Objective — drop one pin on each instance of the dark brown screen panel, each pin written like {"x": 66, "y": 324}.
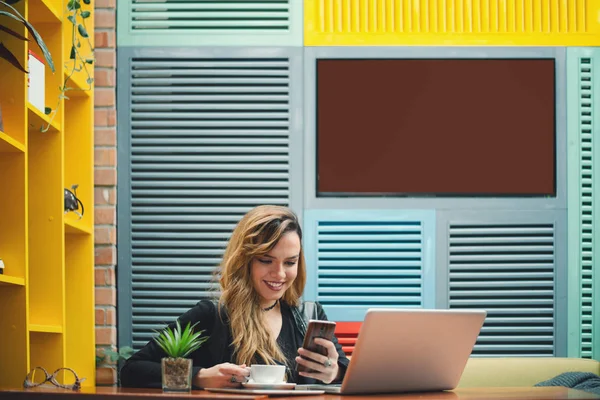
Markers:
{"x": 446, "y": 127}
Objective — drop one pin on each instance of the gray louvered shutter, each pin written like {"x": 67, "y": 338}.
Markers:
{"x": 509, "y": 271}
{"x": 194, "y": 16}
{"x": 368, "y": 261}
{"x": 209, "y": 140}
{"x": 193, "y": 23}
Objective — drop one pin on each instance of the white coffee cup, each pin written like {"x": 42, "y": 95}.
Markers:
{"x": 267, "y": 373}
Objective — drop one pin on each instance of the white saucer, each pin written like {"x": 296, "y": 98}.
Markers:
{"x": 272, "y": 386}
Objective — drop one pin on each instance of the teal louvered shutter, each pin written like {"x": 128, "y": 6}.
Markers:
{"x": 508, "y": 270}
{"x": 210, "y": 139}
{"x": 209, "y": 22}
{"x": 583, "y": 107}
{"x": 362, "y": 259}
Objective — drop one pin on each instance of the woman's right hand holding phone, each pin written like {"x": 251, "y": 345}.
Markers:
{"x": 318, "y": 366}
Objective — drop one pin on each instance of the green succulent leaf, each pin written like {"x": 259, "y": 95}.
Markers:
{"x": 86, "y": 1}
{"x": 85, "y": 14}
{"x": 72, "y": 19}
{"x": 47, "y": 110}
{"x": 178, "y": 343}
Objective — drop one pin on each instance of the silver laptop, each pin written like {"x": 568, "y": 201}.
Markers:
{"x": 409, "y": 350}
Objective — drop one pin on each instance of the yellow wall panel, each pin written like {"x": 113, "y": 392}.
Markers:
{"x": 452, "y": 22}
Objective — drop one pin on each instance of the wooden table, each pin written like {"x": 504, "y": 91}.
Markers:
{"x": 113, "y": 393}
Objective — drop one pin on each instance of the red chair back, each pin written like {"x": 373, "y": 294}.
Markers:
{"x": 346, "y": 333}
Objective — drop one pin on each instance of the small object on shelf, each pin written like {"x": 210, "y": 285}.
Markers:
{"x": 37, "y": 81}
{"x": 72, "y": 203}
{"x": 1, "y": 266}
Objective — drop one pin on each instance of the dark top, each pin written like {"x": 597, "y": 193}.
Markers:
{"x": 143, "y": 368}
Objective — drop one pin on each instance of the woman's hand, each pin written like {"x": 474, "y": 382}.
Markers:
{"x": 224, "y": 375}
{"x": 324, "y": 368}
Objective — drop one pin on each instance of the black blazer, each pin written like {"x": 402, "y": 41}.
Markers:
{"x": 143, "y": 369}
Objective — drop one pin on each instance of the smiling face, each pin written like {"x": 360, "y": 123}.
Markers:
{"x": 273, "y": 273}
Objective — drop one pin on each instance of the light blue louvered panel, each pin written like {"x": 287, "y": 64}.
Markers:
{"x": 508, "y": 270}
{"x": 209, "y": 22}
{"x": 583, "y": 69}
{"x": 360, "y": 259}
{"x": 209, "y": 140}
{"x": 586, "y": 200}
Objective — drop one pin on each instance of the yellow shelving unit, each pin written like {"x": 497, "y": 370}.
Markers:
{"x": 47, "y": 289}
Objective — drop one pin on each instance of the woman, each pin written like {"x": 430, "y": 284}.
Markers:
{"x": 256, "y": 319}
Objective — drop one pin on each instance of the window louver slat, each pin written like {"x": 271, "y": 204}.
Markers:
{"x": 201, "y": 157}
{"x": 188, "y": 148}
{"x": 215, "y": 106}
{"x": 158, "y": 271}
{"x": 509, "y": 271}
{"x": 183, "y": 92}
{"x": 157, "y": 101}
{"x": 190, "y": 201}
{"x": 190, "y": 123}
{"x": 586, "y": 188}
{"x": 240, "y": 160}
{"x": 502, "y": 266}
{"x": 202, "y": 16}
{"x": 261, "y": 166}
{"x": 162, "y": 278}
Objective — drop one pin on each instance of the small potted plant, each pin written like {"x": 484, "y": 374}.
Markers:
{"x": 176, "y": 368}
{"x": 106, "y": 364}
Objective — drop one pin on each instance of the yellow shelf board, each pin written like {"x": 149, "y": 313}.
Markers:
{"x": 37, "y": 120}
{"x": 11, "y": 280}
{"x": 76, "y": 227}
{"x": 42, "y": 11}
{"x": 10, "y": 145}
{"x": 45, "y": 328}
{"x": 77, "y": 82}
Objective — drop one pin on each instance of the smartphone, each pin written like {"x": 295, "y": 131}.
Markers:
{"x": 316, "y": 329}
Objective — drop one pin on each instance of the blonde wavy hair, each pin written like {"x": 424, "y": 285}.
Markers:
{"x": 257, "y": 233}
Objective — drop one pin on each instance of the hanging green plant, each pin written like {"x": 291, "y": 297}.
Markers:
{"x": 77, "y": 61}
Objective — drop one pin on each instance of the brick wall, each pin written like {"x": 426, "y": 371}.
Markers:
{"x": 105, "y": 181}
